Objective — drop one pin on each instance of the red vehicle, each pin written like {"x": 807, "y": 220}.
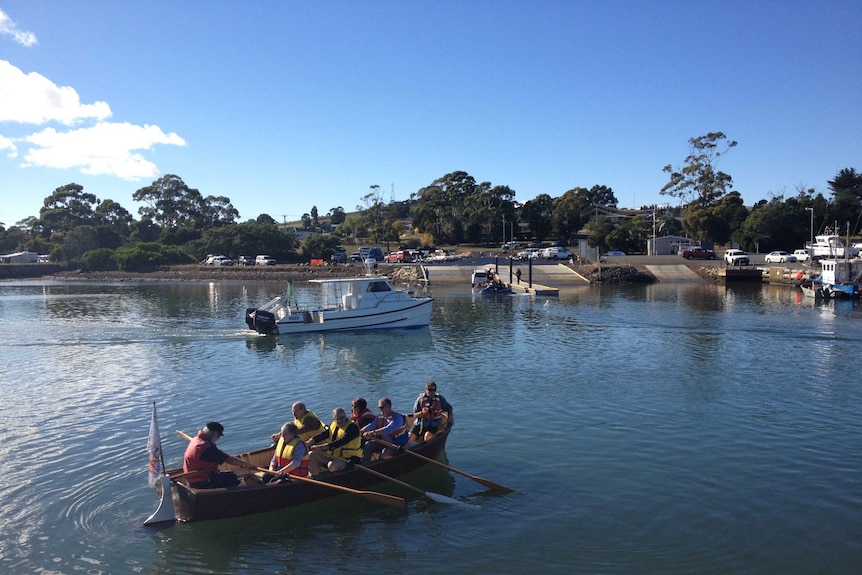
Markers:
{"x": 398, "y": 257}
{"x": 698, "y": 254}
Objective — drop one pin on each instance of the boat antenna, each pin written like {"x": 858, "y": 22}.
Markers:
{"x": 291, "y": 294}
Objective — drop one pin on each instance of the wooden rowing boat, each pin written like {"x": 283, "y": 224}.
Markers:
{"x": 253, "y": 496}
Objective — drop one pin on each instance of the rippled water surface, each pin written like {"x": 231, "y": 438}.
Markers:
{"x": 647, "y": 429}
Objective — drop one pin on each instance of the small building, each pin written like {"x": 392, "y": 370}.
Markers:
{"x": 19, "y": 258}
{"x": 667, "y": 245}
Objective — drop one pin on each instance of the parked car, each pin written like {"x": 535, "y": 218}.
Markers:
{"x": 398, "y": 257}
{"x": 779, "y": 257}
{"x": 338, "y": 258}
{"x": 801, "y": 255}
{"x": 616, "y": 253}
{"x": 511, "y": 245}
{"x": 245, "y": 261}
{"x": 263, "y": 260}
{"x": 374, "y": 255}
{"x": 219, "y": 261}
{"x": 528, "y": 254}
{"x": 696, "y": 253}
{"x": 356, "y": 257}
{"x": 736, "y": 258}
{"x": 556, "y": 253}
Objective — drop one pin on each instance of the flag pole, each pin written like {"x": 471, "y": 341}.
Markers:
{"x": 165, "y": 511}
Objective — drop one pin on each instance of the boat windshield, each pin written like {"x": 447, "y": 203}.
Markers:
{"x": 377, "y": 286}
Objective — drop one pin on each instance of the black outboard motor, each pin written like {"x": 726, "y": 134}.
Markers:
{"x": 249, "y": 316}
{"x": 264, "y": 322}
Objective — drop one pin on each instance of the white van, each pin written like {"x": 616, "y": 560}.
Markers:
{"x": 264, "y": 261}
{"x": 556, "y": 253}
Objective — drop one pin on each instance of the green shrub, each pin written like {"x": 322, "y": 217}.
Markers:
{"x": 101, "y": 260}
{"x": 148, "y": 256}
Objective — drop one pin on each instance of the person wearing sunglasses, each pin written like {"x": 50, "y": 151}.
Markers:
{"x": 390, "y": 426}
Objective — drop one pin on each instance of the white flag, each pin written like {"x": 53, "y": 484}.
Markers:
{"x": 154, "y": 447}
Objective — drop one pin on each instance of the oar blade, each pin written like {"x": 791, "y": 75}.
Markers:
{"x": 491, "y": 485}
{"x": 447, "y": 500}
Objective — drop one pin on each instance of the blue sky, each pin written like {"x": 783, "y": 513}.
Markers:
{"x": 281, "y": 106}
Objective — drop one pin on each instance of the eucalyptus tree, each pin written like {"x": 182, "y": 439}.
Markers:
{"x": 487, "y": 207}
{"x": 214, "y": 211}
{"x": 443, "y": 205}
{"x": 537, "y": 215}
{"x": 699, "y": 184}
{"x": 567, "y": 213}
{"x": 115, "y": 217}
{"x": 846, "y": 190}
{"x": 600, "y": 229}
{"x": 320, "y": 246}
{"x": 246, "y": 238}
{"x": 374, "y": 213}
{"x": 336, "y": 215}
{"x": 67, "y": 208}
{"x": 631, "y": 236}
{"x": 774, "y": 224}
{"x": 171, "y": 203}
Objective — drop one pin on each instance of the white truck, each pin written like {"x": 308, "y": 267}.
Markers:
{"x": 801, "y": 255}
{"x": 736, "y": 257}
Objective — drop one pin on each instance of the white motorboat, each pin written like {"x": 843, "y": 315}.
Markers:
{"x": 830, "y": 246}
{"x": 345, "y": 304}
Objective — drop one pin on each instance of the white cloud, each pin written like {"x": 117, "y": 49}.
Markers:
{"x": 8, "y": 144}
{"x": 9, "y": 28}
{"x": 34, "y": 99}
{"x": 109, "y": 148}
{"x": 106, "y": 148}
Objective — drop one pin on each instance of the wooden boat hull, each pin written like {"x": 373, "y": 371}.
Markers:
{"x": 206, "y": 504}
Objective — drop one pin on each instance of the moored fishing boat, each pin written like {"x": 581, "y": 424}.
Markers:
{"x": 253, "y": 496}
{"x": 838, "y": 278}
{"x": 344, "y": 304}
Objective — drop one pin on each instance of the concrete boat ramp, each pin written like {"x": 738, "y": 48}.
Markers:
{"x": 548, "y": 278}
{"x": 674, "y": 273}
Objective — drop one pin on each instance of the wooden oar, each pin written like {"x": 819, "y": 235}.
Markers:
{"x": 429, "y": 494}
{"x": 485, "y": 482}
{"x": 372, "y": 495}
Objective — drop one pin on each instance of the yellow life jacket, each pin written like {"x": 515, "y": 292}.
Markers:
{"x": 352, "y": 448}
{"x": 284, "y": 455}
{"x": 301, "y": 423}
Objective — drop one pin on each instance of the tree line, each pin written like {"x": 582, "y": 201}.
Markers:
{"x": 178, "y": 224}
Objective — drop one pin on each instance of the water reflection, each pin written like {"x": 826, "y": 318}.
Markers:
{"x": 346, "y": 352}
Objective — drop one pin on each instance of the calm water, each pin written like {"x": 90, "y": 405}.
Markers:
{"x": 647, "y": 429}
